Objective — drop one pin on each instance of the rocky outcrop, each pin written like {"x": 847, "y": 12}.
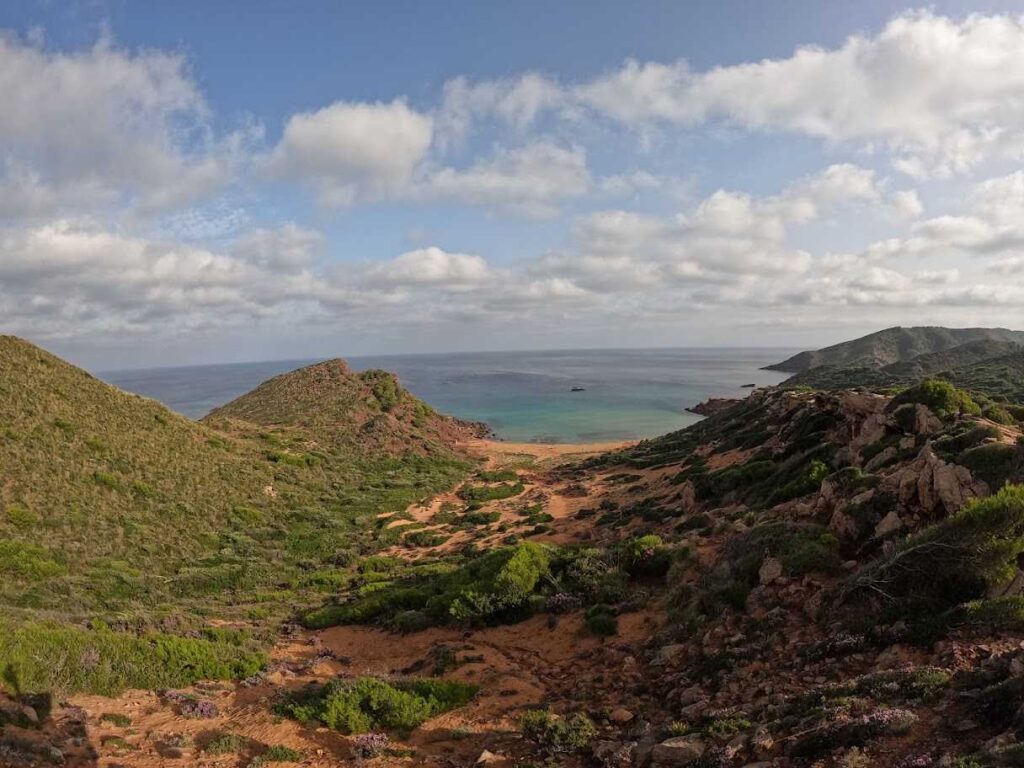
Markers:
{"x": 930, "y": 486}
{"x": 712, "y": 405}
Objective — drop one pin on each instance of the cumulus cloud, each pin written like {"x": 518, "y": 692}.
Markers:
{"x": 353, "y": 151}
{"x": 939, "y": 94}
{"x": 532, "y": 180}
{"x": 431, "y": 267}
{"x": 93, "y": 127}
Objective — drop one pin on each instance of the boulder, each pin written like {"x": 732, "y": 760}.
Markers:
{"x": 888, "y": 525}
{"x": 615, "y": 754}
{"x": 678, "y": 751}
{"x": 771, "y": 570}
{"x": 620, "y": 716}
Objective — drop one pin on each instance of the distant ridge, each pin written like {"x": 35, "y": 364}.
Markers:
{"x": 893, "y": 345}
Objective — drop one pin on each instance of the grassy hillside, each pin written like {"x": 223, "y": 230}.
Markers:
{"x": 111, "y": 504}
{"x": 893, "y": 345}
{"x": 993, "y": 369}
{"x": 368, "y": 411}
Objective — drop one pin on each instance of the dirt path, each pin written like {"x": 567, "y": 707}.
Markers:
{"x": 543, "y": 660}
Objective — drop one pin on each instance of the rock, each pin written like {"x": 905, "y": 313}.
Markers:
{"x": 616, "y": 754}
{"x": 690, "y": 695}
{"x": 620, "y": 716}
{"x": 881, "y": 458}
{"x": 771, "y": 569}
{"x": 713, "y": 405}
{"x": 843, "y": 526}
{"x": 678, "y": 751}
{"x": 672, "y": 655}
{"x": 888, "y": 524}
{"x": 926, "y": 422}
{"x": 929, "y": 485}
{"x": 490, "y": 758}
{"x": 762, "y": 743}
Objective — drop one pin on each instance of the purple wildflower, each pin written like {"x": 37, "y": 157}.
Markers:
{"x": 367, "y": 745}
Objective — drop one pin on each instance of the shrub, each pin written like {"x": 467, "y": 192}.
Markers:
{"x": 497, "y": 475}
{"x": 998, "y": 414}
{"x": 557, "y": 734}
{"x": 370, "y": 745}
{"x": 277, "y": 754}
{"x": 226, "y": 744}
{"x": 365, "y": 704}
{"x": 951, "y": 562}
{"x": 646, "y": 555}
{"x": 995, "y": 463}
{"x": 602, "y": 621}
{"x": 45, "y": 657}
{"x": 941, "y": 397}
{"x": 483, "y": 493}
{"x": 116, "y": 718}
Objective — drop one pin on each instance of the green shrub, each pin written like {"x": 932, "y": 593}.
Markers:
{"x": 497, "y": 475}
{"x": 557, "y": 734}
{"x": 45, "y": 657}
{"x": 27, "y": 562}
{"x": 647, "y": 556}
{"x": 941, "y": 397}
{"x": 602, "y": 621}
{"x": 998, "y": 414}
{"x": 366, "y": 704}
{"x": 484, "y": 493}
{"x": 995, "y": 463}
{"x": 277, "y": 754}
{"x": 22, "y": 518}
{"x": 425, "y": 539}
{"x": 954, "y": 561}
{"x": 226, "y": 744}
{"x": 116, "y": 718}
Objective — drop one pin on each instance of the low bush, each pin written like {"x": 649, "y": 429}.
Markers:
{"x": 646, "y": 556}
{"x": 277, "y": 754}
{"x": 497, "y": 475}
{"x": 484, "y": 493}
{"x": 226, "y": 744}
{"x": 46, "y": 657}
{"x": 602, "y": 621}
{"x": 941, "y": 397}
{"x": 367, "y": 704}
{"x": 995, "y": 463}
{"x": 557, "y": 734}
{"x": 952, "y": 562}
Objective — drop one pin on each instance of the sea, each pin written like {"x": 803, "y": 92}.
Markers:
{"x": 565, "y": 396}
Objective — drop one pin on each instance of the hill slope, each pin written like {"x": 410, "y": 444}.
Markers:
{"x": 893, "y": 345}
{"x": 109, "y": 501}
{"x": 369, "y": 410}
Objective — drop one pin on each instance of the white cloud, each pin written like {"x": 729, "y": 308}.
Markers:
{"x": 87, "y": 129}
{"x": 352, "y": 151}
{"x": 431, "y": 266}
{"x": 532, "y": 180}
{"x": 515, "y": 101}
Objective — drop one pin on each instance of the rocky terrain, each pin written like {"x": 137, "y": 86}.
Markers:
{"x": 804, "y": 578}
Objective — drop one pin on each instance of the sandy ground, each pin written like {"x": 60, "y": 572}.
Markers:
{"x": 544, "y": 660}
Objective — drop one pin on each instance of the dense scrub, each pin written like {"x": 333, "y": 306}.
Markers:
{"x": 367, "y": 704}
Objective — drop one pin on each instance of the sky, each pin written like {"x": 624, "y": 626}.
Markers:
{"x": 216, "y": 182}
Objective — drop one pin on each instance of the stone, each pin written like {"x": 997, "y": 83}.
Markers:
{"x": 672, "y": 655}
{"x": 616, "y": 754}
{"x": 771, "y": 570}
{"x": 490, "y": 758}
{"x": 888, "y": 525}
{"x": 620, "y": 716}
{"x": 678, "y": 751}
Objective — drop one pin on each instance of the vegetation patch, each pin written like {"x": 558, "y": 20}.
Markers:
{"x": 367, "y": 704}
{"x": 39, "y": 657}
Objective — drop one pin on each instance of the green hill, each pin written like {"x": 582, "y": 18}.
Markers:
{"x": 993, "y": 369}
{"x": 893, "y": 345}
{"x": 112, "y": 504}
{"x": 368, "y": 411}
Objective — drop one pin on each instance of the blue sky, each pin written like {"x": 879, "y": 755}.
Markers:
{"x": 186, "y": 182}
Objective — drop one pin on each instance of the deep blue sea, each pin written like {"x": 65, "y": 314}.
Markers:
{"x": 524, "y": 396}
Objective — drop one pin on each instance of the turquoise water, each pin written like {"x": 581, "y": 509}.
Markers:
{"x": 523, "y": 396}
